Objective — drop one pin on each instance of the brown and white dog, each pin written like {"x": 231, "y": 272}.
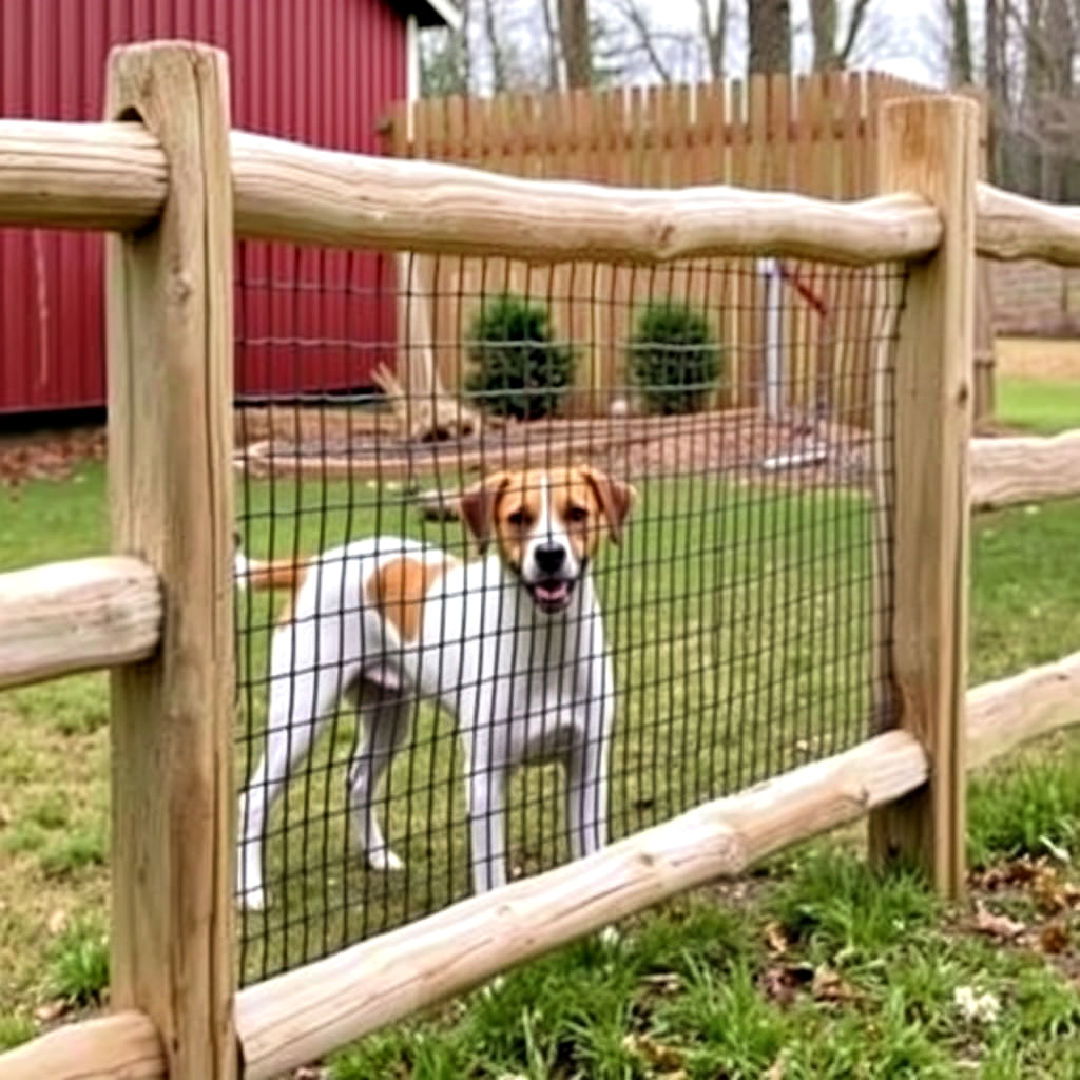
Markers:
{"x": 512, "y": 644}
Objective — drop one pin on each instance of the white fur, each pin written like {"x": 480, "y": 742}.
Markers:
{"x": 524, "y": 686}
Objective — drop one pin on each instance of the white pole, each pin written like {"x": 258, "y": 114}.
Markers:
{"x": 774, "y": 361}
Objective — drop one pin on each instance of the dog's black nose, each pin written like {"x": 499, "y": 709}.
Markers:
{"x": 550, "y": 557}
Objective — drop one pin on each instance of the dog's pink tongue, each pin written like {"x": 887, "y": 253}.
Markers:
{"x": 552, "y": 592}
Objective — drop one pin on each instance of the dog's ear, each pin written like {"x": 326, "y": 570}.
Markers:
{"x": 615, "y": 498}
{"x": 477, "y": 507}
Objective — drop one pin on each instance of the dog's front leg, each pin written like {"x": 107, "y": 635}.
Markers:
{"x": 586, "y": 796}
{"x": 486, "y": 794}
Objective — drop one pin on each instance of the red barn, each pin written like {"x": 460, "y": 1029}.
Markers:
{"x": 319, "y": 71}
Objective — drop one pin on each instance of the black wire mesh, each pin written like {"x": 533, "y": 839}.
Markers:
{"x": 739, "y": 610}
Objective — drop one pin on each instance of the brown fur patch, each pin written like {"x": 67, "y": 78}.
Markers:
{"x": 279, "y": 574}
{"x": 398, "y": 589}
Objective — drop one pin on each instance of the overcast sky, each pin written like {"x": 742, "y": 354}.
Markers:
{"x": 903, "y": 36}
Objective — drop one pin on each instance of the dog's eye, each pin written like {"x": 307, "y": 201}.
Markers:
{"x": 519, "y": 518}
{"x": 576, "y": 514}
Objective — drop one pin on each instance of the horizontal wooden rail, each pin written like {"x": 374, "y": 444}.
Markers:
{"x": 123, "y": 1046}
{"x": 1010, "y": 227}
{"x": 286, "y": 191}
{"x": 1003, "y": 714}
{"x": 1029, "y": 469}
{"x": 114, "y": 176}
{"x": 299, "y": 1016}
{"x": 65, "y": 617}
{"x": 85, "y": 176}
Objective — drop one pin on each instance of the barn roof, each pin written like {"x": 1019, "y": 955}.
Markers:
{"x": 431, "y": 12}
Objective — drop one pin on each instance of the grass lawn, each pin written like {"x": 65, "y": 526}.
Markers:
{"x": 1042, "y": 405}
{"x": 813, "y": 963}
{"x": 1038, "y": 384}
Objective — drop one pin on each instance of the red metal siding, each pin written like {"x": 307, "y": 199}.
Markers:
{"x": 323, "y": 71}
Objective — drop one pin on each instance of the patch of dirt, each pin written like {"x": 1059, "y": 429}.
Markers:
{"x": 1039, "y": 358}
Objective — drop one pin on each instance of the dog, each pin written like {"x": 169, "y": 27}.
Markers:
{"x": 510, "y": 643}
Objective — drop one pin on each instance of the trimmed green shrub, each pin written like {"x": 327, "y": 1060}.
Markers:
{"x": 515, "y": 369}
{"x": 674, "y": 360}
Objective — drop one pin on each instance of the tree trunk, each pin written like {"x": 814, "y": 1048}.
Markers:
{"x": 491, "y": 32}
{"x": 715, "y": 36}
{"x": 552, "y": 35}
{"x": 995, "y": 84}
{"x": 960, "y": 68}
{"x": 770, "y": 36}
{"x": 823, "y": 30}
{"x": 576, "y": 44}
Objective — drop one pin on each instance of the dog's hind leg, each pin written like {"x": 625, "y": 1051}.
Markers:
{"x": 300, "y": 705}
{"x": 384, "y": 712}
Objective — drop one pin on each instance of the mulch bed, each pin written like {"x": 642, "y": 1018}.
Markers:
{"x": 48, "y": 455}
{"x": 736, "y": 442}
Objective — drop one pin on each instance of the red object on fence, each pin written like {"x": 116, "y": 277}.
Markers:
{"x": 320, "y": 71}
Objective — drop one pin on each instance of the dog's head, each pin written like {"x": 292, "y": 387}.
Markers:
{"x": 548, "y": 524}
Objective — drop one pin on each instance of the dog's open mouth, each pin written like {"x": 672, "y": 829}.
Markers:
{"x": 552, "y": 595}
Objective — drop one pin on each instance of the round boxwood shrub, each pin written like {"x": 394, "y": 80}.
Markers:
{"x": 674, "y": 360}
{"x": 515, "y": 369}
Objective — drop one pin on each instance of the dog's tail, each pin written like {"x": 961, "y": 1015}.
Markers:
{"x": 272, "y": 574}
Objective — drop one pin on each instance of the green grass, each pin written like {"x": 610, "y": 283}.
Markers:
{"x": 690, "y": 979}
{"x": 1045, "y": 406}
{"x": 865, "y": 987}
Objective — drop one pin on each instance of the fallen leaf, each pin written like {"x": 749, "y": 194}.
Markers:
{"x": 1054, "y": 938}
{"x": 776, "y": 938}
{"x": 49, "y": 1011}
{"x": 1049, "y": 891}
{"x": 778, "y": 1069}
{"x": 999, "y": 927}
{"x": 829, "y": 986}
{"x": 781, "y": 982}
{"x": 657, "y": 1054}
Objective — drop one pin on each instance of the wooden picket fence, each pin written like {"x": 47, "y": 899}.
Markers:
{"x": 813, "y": 134}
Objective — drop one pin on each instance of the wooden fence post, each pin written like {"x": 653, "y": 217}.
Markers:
{"x": 929, "y": 145}
{"x": 170, "y": 450}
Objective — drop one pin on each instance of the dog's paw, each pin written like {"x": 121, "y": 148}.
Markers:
{"x": 385, "y": 860}
{"x": 253, "y": 899}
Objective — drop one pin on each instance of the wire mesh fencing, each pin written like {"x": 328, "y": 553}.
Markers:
{"x": 733, "y": 632}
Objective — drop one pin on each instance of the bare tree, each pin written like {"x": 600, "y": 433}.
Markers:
{"x": 770, "y": 36}
{"x": 714, "y": 34}
{"x": 832, "y": 50}
{"x": 961, "y": 69}
{"x": 645, "y": 38}
{"x": 551, "y": 35}
{"x": 495, "y": 48}
{"x": 575, "y": 36}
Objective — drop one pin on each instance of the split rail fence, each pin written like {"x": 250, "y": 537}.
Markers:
{"x": 168, "y": 178}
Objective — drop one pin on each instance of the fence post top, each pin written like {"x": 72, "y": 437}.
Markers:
{"x": 165, "y": 47}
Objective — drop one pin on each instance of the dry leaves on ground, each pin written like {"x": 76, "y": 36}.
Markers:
{"x": 998, "y": 927}
{"x": 668, "y": 1060}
